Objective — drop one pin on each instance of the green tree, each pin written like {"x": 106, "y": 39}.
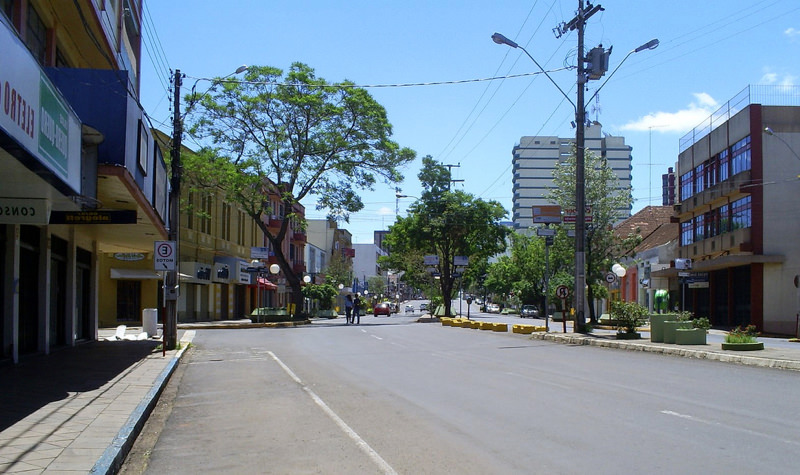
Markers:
{"x": 607, "y": 199}
{"x": 325, "y": 294}
{"x": 447, "y": 224}
{"x": 296, "y": 135}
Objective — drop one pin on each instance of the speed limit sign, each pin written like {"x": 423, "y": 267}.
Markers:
{"x": 562, "y": 291}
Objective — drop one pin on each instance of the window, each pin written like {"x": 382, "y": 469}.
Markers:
{"x": 740, "y": 213}
{"x": 724, "y": 219}
{"x": 190, "y": 214}
{"x": 699, "y": 178}
{"x": 226, "y": 222}
{"x": 36, "y": 35}
{"x": 740, "y": 156}
{"x": 699, "y": 227}
{"x": 687, "y": 182}
{"x": 724, "y": 165}
{"x": 205, "y": 214}
{"x": 241, "y": 228}
{"x": 687, "y": 233}
{"x": 712, "y": 172}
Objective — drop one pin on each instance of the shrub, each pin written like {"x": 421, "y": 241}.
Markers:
{"x": 628, "y": 315}
{"x": 323, "y": 293}
{"x": 700, "y": 322}
{"x": 742, "y": 335}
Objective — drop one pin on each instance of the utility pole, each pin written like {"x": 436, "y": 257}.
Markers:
{"x": 578, "y": 23}
{"x": 171, "y": 282}
{"x": 450, "y": 173}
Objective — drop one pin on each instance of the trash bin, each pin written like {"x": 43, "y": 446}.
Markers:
{"x": 150, "y": 321}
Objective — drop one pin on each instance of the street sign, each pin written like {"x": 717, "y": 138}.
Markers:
{"x": 545, "y": 232}
{"x": 432, "y": 260}
{"x": 571, "y": 215}
{"x": 549, "y": 214}
{"x": 460, "y": 261}
{"x": 164, "y": 255}
{"x": 611, "y": 277}
{"x": 259, "y": 253}
{"x": 562, "y": 291}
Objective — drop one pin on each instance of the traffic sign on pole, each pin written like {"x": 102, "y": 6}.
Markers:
{"x": 164, "y": 255}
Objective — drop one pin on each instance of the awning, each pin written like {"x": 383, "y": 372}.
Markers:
{"x": 264, "y": 283}
{"x": 134, "y": 274}
{"x": 724, "y": 262}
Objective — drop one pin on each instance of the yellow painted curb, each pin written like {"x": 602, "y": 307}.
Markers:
{"x": 486, "y": 325}
{"x": 500, "y": 327}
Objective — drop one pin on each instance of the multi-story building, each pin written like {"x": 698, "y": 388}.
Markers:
{"x": 535, "y": 158}
{"x": 84, "y": 188}
{"x": 336, "y": 243}
{"x": 738, "y": 192}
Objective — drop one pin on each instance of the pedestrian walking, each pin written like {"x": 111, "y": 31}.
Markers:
{"x": 357, "y": 309}
{"x": 348, "y": 309}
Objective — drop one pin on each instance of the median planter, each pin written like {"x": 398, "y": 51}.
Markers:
{"x": 657, "y": 325}
{"x": 671, "y": 327}
{"x": 326, "y": 314}
{"x": 753, "y": 346}
{"x": 690, "y": 336}
{"x": 629, "y": 336}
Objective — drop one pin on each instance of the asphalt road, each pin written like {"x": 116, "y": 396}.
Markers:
{"x": 393, "y": 396}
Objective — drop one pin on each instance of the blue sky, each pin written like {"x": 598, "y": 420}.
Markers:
{"x": 709, "y": 51}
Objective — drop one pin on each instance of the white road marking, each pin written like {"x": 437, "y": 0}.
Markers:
{"x": 732, "y": 427}
{"x": 376, "y": 337}
{"x": 361, "y": 443}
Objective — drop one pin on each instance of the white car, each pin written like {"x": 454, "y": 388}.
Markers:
{"x": 492, "y": 308}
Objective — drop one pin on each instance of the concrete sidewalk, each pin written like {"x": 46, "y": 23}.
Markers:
{"x": 79, "y": 410}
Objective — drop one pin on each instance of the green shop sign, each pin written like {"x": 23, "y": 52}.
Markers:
{"x": 53, "y": 126}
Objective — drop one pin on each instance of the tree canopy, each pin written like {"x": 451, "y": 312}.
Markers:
{"x": 293, "y": 135}
{"x": 608, "y": 201}
{"x": 447, "y": 224}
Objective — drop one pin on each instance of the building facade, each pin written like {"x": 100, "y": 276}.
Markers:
{"x": 84, "y": 186}
{"x": 535, "y": 158}
{"x": 737, "y": 192}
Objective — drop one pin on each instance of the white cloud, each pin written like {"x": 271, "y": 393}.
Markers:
{"x": 384, "y": 211}
{"x": 792, "y": 32}
{"x": 774, "y": 78}
{"x": 679, "y": 121}
{"x": 769, "y": 78}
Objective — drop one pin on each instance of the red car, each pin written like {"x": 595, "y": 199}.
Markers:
{"x": 382, "y": 309}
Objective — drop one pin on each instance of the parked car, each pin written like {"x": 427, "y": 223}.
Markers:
{"x": 382, "y": 309}
{"x": 529, "y": 311}
{"x": 492, "y": 308}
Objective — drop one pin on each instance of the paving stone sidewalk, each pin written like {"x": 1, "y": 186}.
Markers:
{"x": 75, "y": 410}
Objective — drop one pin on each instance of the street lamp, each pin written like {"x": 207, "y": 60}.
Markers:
{"x": 580, "y": 185}
{"x": 176, "y": 169}
{"x": 768, "y": 130}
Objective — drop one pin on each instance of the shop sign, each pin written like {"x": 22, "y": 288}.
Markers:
{"x": 24, "y": 211}
{"x": 129, "y": 256}
{"x": 121, "y": 216}
{"x": 35, "y": 115}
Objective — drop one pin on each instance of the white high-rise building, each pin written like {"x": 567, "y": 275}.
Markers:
{"x": 535, "y": 159}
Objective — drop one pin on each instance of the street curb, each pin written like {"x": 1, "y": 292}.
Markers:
{"x": 223, "y": 326}
{"x": 666, "y": 350}
{"x": 114, "y": 455}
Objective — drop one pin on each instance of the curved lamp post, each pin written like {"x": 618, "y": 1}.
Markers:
{"x": 768, "y": 130}
{"x": 580, "y": 190}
